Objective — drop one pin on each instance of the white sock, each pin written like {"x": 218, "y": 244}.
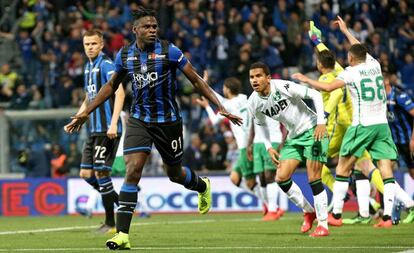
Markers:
{"x": 403, "y": 196}
{"x": 273, "y": 193}
{"x": 297, "y": 197}
{"x": 389, "y": 194}
{"x": 321, "y": 208}
{"x": 340, "y": 189}
{"x": 264, "y": 194}
{"x": 363, "y": 189}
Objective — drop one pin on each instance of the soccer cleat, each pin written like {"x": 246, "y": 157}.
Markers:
{"x": 106, "y": 229}
{"x": 334, "y": 222}
{"x": 357, "y": 220}
{"x": 410, "y": 217}
{"x": 119, "y": 241}
{"x": 320, "y": 231}
{"x": 383, "y": 224}
{"x": 271, "y": 216}
{"x": 308, "y": 219}
{"x": 144, "y": 215}
{"x": 204, "y": 199}
{"x": 265, "y": 209}
{"x": 280, "y": 211}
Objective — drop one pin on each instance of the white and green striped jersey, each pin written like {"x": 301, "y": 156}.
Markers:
{"x": 237, "y": 106}
{"x": 366, "y": 86}
{"x": 285, "y": 104}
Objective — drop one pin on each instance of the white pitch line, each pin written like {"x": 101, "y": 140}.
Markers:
{"x": 45, "y": 230}
{"x": 215, "y": 248}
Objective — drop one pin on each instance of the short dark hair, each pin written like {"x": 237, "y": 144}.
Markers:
{"x": 233, "y": 84}
{"x": 261, "y": 65}
{"x": 93, "y": 32}
{"x": 142, "y": 12}
{"x": 327, "y": 59}
{"x": 359, "y": 52}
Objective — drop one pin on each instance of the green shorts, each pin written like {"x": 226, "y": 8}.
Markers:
{"x": 376, "y": 139}
{"x": 243, "y": 166}
{"x": 261, "y": 158}
{"x": 304, "y": 147}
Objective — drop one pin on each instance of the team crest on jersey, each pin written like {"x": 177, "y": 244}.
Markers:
{"x": 144, "y": 68}
{"x": 277, "y": 96}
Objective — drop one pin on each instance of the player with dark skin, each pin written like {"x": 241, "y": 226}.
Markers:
{"x": 145, "y": 28}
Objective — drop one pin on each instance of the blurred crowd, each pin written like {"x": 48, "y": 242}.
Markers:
{"x": 223, "y": 37}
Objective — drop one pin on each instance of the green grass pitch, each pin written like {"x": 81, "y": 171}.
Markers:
{"x": 195, "y": 233}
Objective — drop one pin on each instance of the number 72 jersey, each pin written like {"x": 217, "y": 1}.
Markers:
{"x": 366, "y": 86}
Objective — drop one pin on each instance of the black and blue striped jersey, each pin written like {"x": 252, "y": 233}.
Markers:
{"x": 401, "y": 122}
{"x": 97, "y": 74}
{"x": 153, "y": 77}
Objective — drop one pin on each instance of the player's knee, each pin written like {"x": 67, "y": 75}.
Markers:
{"x": 235, "y": 179}
{"x": 85, "y": 173}
{"x": 102, "y": 174}
{"x": 270, "y": 177}
{"x": 411, "y": 172}
{"x": 250, "y": 183}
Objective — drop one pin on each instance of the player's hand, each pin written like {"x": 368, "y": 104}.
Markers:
{"x": 250, "y": 153}
{"x": 320, "y": 132}
{"x": 233, "y": 118}
{"x": 76, "y": 123}
{"x": 202, "y": 101}
{"x": 112, "y": 132}
{"x": 274, "y": 155}
{"x": 301, "y": 77}
{"x": 341, "y": 23}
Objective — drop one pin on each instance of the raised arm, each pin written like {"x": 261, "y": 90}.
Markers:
{"x": 344, "y": 29}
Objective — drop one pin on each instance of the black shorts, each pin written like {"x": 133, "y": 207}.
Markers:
{"x": 404, "y": 151}
{"x": 167, "y": 138}
{"x": 99, "y": 153}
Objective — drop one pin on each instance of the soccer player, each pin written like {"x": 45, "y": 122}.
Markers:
{"x": 369, "y": 129}
{"x": 338, "y": 110}
{"x": 400, "y": 118}
{"x": 236, "y": 103}
{"x": 306, "y": 141}
{"x": 151, "y": 64}
{"x": 104, "y": 126}
{"x": 264, "y": 167}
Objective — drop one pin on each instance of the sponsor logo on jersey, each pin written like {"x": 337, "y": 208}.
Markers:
{"x": 276, "y": 108}
{"x": 154, "y": 56}
{"x": 132, "y": 58}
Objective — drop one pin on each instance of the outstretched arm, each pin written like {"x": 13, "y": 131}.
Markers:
{"x": 319, "y": 85}
{"x": 344, "y": 29}
{"x": 207, "y": 92}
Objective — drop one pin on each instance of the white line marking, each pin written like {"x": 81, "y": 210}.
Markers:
{"x": 133, "y": 224}
{"x": 217, "y": 248}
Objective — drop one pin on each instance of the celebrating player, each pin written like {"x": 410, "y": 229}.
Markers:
{"x": 151, "y": 65}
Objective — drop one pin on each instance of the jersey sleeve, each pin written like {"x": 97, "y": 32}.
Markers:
{"x": 176, "y": 56}
{"x": 345, "y": 77}
{"x": 405, "y": 101}
{"x": 108, "y": 68}
{"x": 118, "y": 62}
{"x": 334, "y": 99}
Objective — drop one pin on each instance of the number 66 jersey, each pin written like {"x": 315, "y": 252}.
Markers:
{"x": 366, "y": 86}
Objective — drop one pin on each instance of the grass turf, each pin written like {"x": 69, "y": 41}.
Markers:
{"x": 195, "y": 233}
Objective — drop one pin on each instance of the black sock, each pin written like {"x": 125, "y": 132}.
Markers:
{"x": 93, "y": 182}
{"x": 193, "y": 182}
{"x": 285, "y": 185}
{"x": 107, "y": 190}
{"x": 317, "y": 187}
{"x": 128, "y": 198}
